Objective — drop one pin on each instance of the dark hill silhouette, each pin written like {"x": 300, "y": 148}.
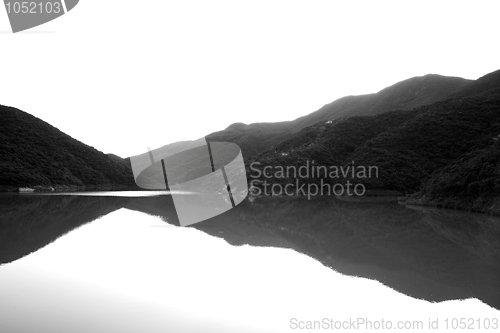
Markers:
{"x": 484, "y": 87}
{"x": 404, "y": 95}
{"x": 331, "y": 143}
{"x": 35, "y": 153}
{"x": 253, "y": 138}
{"x": 444, "y": 154}
{"x": 118, "y": 159}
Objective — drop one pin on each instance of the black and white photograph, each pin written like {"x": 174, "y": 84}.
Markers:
{"x": 235, "y": 166}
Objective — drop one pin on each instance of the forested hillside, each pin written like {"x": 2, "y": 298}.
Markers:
{"x": 444, "y": 154}
{"x": 34, "y": 153}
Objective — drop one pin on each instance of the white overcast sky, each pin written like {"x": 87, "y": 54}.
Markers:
{"x": 122, "y": 75}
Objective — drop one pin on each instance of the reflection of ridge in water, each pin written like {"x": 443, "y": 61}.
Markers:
{"x": 30, "y": 222}
{"x": 397, "y": 246}
{"x": 425, "y": 253}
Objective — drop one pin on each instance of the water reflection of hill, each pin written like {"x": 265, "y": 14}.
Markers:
{"x": 426, "y": 253}
{"x": 430, "y": 254}
{"x": 161, "y": 206}
{"x": 30, "y": 222}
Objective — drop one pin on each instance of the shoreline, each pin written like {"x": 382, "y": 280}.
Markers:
{"x": 423, "y": 202}
{"x": 385, "y": 197}
{"x": 65, "y": 188}
{"x": 370, "y": 197}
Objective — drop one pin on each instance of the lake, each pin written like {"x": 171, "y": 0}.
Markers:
{"x": 120, "y": 262}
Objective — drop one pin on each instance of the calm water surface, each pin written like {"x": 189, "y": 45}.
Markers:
{"x": 119, "y": 262}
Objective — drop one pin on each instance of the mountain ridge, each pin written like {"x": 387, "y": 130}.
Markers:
{"x": 404, "y": 95}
